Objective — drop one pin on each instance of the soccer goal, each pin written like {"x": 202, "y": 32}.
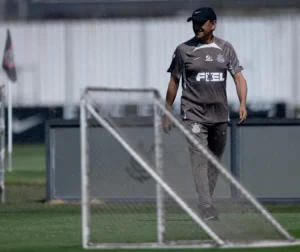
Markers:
{"x": 138, "y": 186}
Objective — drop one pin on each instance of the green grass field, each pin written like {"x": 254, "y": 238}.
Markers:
{"x": 29, "y": 224}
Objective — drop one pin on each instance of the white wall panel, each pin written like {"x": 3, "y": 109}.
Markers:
{"x": 296, "y": 58}
{"x": 163, "y": 36}
{"x": 266, "y": 54}
{"x": 105, "y": 54}
{"x": 56, "y": 60}
{"x": 52, "y": 63}
{"x": 39, "y": 56}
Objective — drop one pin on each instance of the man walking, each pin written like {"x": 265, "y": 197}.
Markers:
{"x": 202, "y": 64}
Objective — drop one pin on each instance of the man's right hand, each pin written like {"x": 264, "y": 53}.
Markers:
{"x": 167, "y": 124}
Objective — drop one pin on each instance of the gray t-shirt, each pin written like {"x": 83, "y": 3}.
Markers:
{"x": 203, "y": 72}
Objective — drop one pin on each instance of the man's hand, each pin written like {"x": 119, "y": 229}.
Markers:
{"x": 167, "y": 124}
{"x": 243, "y": 113}
{"x": 241, "y": 87}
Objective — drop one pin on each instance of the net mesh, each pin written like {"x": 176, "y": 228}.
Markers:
{"x": 123, "y": 194}
{"x": 124, "y": 208}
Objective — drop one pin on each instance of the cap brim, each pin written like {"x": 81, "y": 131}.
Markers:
{"x": 197, "y": 19}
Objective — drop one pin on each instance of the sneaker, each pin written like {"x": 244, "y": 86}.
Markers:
{"x": 208, "y": 213}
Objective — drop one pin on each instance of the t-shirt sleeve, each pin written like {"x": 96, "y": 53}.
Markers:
{"x": 176, "y": 64}
{"x": 234, "y": 65}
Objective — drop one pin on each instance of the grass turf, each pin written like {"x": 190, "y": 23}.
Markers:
{"x": 29, "y": 224}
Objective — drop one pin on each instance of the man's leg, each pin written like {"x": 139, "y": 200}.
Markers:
{"x": 199, "y": 163}
{"x": 216, "y": 143}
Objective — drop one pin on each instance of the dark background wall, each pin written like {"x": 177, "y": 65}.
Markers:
{"x": 75, "y": 9}
{"x": 29, "y": 123}
{"x": 269, "y": 169}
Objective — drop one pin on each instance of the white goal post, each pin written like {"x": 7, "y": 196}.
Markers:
{"x": 99, "y": 218}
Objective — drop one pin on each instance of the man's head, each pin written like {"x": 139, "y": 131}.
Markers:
{"x": 204, "y": 22}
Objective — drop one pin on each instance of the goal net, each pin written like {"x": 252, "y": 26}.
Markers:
{"x": 141, "y": 189}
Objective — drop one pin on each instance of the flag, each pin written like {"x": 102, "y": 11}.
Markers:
{"x": 8, "y": 63}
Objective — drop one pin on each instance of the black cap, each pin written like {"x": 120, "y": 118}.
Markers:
{"x": 203, "y": 14}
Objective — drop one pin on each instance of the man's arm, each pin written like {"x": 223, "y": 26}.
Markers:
{"x": 175, "y": 71}
{"x": 170, "y": 97}
{"x": 172, "y": 91}
{"x": 241, "y": 87}
{"x": 235, "y": 69}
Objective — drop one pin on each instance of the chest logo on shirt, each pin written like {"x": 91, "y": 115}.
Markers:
{"x": 210, "y": 77}
{"x": 220, "y": 58}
